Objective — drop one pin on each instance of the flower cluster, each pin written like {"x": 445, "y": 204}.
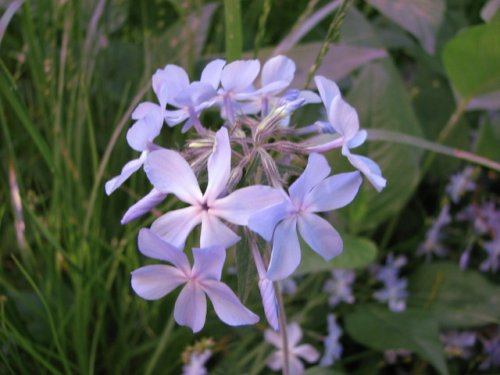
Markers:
{"x": 240, "y": 176}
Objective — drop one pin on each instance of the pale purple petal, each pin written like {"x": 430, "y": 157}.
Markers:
{"x": 269, "y": 302}
{"x": 309, "y": 97}
{"x": 278, "y": 68}
{"x": 219, "y": 166}
{"x": 169, "y": 172}
{"x": 212, "y": 73}
{"x": 317, "y": 170}
{"x": 208, "y": 262}
{"x": 195, "y": 94}
{"x": 275, "y": 360}
{"x": 285, "y": 256}
{"x": 215, "y": 233}
{"x": 358, "y": 139}
{"x": 161, "y": 86}
{"x": 239, "y": 75}
{"x": 175, "y": 226}
{"x": 368, "y": 167}
{"x": 143, "y": 132}
{"x": 154, "y": 247}
{"x": 294, "y": 334}
{"x": 273, "y": 337}
{"x": 264, "y": 222}
{"x": 191, "y": 307}
{"x": 307, "y": 352}
{"x": 241, "y": 204}
{"x": 334, "y": 192}
{"x": 296, "y": 366}
{"x": 227, "y": 306}
{"x": 156, "y": 281}
{"x": 176, "y": 116}
{"x": 147, "y": 109}
{"x": 127, "y": 171}
{"x": 175, "y": 79}
{"x": 343, "y": 118}
{"x": 144, "y": 205}
{"x": 320, "y": 235}
{"x": 327, "y": 90}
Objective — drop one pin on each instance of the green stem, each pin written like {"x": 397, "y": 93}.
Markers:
{"x": 161, "y": 345}
{"x": 283, "y": 333}
{"x": 387, "y": 135}
{"x": 234, "y": 39}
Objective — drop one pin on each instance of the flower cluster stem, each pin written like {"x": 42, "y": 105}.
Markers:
{"x": 283, "y": 333}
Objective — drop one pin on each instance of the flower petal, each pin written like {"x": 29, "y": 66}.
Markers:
{"x": 169, "y": 172}
{"x": 294, "y": 334}
{"x": 273, "y": 337}
{"x": 212, "y": 73}
{"x": 344, "y": 118}
{"x": 275, "y": 360}
{"x": 241, "y": 204}
{"x": 239, "y": 75}
{"x": 317, "y": 170}
{"x": 368, "y": 167}
{"x": 278, "y": 68}
{"x": 154, "y": 247}
{"x": 175, "y": 226}
{"x": 320, "y": 235}
{"x": 156, "y": 281}
{"x": 127, "y": 171}
{"x": 145, "y": 204}
{"x": 295, "y": 365}
{"x": 191, "y": 307}
{"x": 264, "y": 221}
{"x": 327, "y": 90}
{"x": 143, "y": 132}
{"x": 195, "y": 94}
{"x": 208, "y": 262}
{"x": 285, "y": 256}
{"x": 176, "y": 116}
{"x": 334, "y": 192}
{"x": 175, "y": 79}
{"x": 307, "y": 352}
{"x": 215, "y": 233}
{"x": 219, "y": 166}
{"x": 227, "y": 306}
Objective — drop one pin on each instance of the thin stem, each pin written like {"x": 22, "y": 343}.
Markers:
{"x": 161, "y": 345}
{"x": 283, "y": 325}
{"x": 386, "y": 135}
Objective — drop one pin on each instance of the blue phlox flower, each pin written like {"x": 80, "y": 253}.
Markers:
{"x": 390, "y": 270}
{"x": 458, "y": 344}
{"x": 295, "y": 352}
{"x": 311, "y": 193}
{"x": 432, "y": 244}
{"x": 148, "y": 124}
{"x": 333, "y": 347}
{"x": 394, "y": 294}
{"x": 491, "y": 348}
{"x": 191, "y": 98}
{"x": 339, "y": 287}
{"x": 196, "y": 365}
{"x": 492, "y": 262}
{"x": 153, "y": 282}
{"x": 343, "y": 119}
{"x": 460, "y": 183}
{"x": 169, "y": 173}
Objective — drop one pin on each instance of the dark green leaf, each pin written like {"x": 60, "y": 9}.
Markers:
{"x": 458, "y": 299}
{"x": 357, "y": 253}
{"x": 380, "y": 329}
{"x": 323, "y": 371}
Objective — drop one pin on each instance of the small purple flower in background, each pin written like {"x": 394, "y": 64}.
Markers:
{"x": 155, "y": 281}
{"x": 394, "y": 292}
{"x": 432, "y": 244}
{"x": 492, "y": 262}
{"x": 339, "y": 287}
{"x": 196, "y": 364}
{"x": 169, "y": 172}
{"x": 333, "y": 347}
{"x": 458, "y": 344}
{"x": 305, "y": 351}
{"x": 343, "y": 120}
{"x": 311, "y": 193}
{"x": 491, "y": 348}
{"x": 460, "y": 183}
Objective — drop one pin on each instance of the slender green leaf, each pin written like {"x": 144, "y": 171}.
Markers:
{"x": 234, "y": 39}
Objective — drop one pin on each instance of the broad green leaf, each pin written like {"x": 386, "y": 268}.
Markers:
{"x": 379, "y": 328}
{"x": 357, "y": 253}
{"x": 472, "y": 60}
{"x": 422, "y": 18}
{"x": 488, "y": 139}
{"x": 458, "y": 299}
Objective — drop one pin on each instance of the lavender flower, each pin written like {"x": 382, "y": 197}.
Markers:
{"x": 305, "y": 351}
{"x": 169, "y": 172}
{"x": 432, "y": 244}
{"x": 312, "y": 192}
{"x": 155, "y": 281}
{"x": 394, "y": 292}
{"x": 458, "y": 344}
{"x": 196, "y": 365}
{"x": 492, "y": 350}
{"x": 492, "y": 262}
{"x": 339, "y": 287}
{"x": 460, "y": 183}
{"x": 333, "y": 347}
